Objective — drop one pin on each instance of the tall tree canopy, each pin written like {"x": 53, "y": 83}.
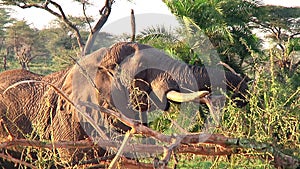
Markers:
{"x": 282, "y": 26}
{"x": 225, "y": 22}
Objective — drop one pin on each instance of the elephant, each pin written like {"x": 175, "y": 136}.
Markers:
{"x": 128, "y": 77}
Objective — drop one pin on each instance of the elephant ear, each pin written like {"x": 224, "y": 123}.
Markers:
{"x": 79, "y": 86}
{"x": 82, "y": 76}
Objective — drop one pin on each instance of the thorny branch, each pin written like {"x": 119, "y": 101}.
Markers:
{"x": 200, "y": 144}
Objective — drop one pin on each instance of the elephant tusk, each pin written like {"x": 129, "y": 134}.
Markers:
{"x": 186, "y": 97}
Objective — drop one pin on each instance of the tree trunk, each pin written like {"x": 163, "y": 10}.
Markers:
{"x": 5, "y": 59}
{"x": 133, "y": 27}
{"x": 4, "y": 62}
{"x": 23, "y": 65}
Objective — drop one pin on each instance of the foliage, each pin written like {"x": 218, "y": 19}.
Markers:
{"x": 23, "y": 42}
{"x": 282, "y": 28}
{"x": 104, "y": 39}
{"x": 4, "y": 20}
{"x": 187, "y": 43}
{"x": 227, "y": 23}
{"x": 272, "y": 115}
{"x": 273, "y": 112}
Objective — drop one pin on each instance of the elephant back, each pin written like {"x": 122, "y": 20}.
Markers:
{"x": 18, "y": 103}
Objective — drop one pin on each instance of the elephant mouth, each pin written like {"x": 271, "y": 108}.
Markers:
{"x": 186, "y": 97}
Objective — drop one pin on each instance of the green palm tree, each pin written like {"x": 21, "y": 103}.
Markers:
{"x": 225, "y": 22}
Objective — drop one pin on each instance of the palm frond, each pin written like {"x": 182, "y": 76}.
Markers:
{"x": 154, "y": 33}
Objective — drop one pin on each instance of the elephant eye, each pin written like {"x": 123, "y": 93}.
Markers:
{"x": 104, "y": 69}
{"x": 112, "y": 66}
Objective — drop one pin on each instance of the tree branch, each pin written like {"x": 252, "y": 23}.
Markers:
{"x": 84, "y": 48}
{"x": 200, "y": 144}
{"x": 192, "y": 143}
{"x": 295, "y": 34}
{"x": 85, "y": 16}
{"x": 61, "y": 15}
{"x": 105, "y": 12}
{"x": 114, "y": 162}
{"x": 67, "y": 22}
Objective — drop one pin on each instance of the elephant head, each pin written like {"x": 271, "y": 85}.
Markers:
{"x": 135, "y": 78}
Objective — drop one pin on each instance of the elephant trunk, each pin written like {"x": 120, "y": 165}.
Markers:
{"x": 214, "y": 79}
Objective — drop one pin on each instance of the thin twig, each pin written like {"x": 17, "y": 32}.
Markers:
{"x": 85, "y": 15}
{"x": 229, "y": 68}
{"x": 169, "y": 150}
{"x": 114, "y": 162}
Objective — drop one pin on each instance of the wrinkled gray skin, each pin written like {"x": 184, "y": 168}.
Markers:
{"x": 117, "y": 72}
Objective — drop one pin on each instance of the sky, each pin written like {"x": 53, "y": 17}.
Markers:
{"x": 144, "y": 9}
{"x": 286, "y": 3}
{"x": 120, "y": 9}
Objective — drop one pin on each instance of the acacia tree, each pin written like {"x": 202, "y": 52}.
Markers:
{"x": 282, "y": 27}
{"x": 57, "y": 10}
{"x": 23, "y": 41}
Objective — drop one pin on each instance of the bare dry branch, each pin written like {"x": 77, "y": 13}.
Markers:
{"x": 114, "y": 162}
{"x": 132, "y": 164}
{"x": 9, "y": 158}
{"x": 202, "y": 144}
{"x": 169, "y": 150}
{"x": 133, "y": 26}
{"x": 105, "y": 12}
{"x": 229, "y": 68}
{"x": 295, "y": 34}
{"x": 85, "y": 16}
